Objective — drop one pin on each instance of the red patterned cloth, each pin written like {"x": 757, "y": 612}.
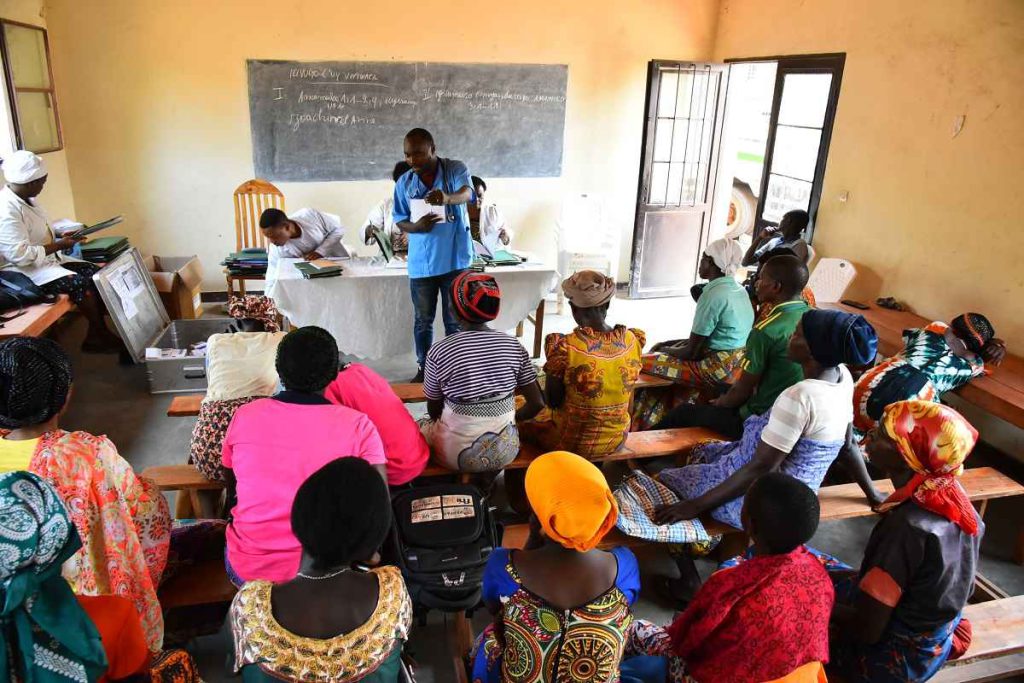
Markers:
{"x": 757, "y": 621}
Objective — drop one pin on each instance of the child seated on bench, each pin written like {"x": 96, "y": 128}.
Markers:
{"x": 589, "y": 375}
{"x": 763, "y": 616}
{"x": 801, "y": 435}
{"x": 899, "y": 617}
{"x": 707, "y": 363}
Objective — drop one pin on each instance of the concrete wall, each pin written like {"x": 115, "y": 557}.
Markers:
{"x": 933, "y": 218}
{"x": 156, "y": 114}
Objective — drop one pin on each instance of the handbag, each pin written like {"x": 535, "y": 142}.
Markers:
{"x": 638, "y": 497}
{"x": 18, "y": 292}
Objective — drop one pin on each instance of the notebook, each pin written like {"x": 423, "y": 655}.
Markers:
{"x": 383, "y": 241}
{"x": 320, "y": 268}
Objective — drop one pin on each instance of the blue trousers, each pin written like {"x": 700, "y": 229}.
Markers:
{"x": 424, "y": 303}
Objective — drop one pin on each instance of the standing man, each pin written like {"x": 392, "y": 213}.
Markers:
{"x": 439, "y": 249}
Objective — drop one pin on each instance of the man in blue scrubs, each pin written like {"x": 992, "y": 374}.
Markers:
{"x": 439, "y": 249}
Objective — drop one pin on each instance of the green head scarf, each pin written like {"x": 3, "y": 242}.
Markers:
{"x": 50, "y": 637}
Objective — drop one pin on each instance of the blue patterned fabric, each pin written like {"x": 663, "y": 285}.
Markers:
{"x": 713, "y": 463}
{"x": 638, "y": 498}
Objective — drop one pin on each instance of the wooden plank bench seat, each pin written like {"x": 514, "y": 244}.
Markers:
{"x": 997, "y": 643}
{"x": 203, "y": 584}
{"x": 36, "y": 319}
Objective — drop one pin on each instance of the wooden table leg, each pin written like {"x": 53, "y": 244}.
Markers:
{"x": 538, "y": 329}
{"x": 519, "y": 329}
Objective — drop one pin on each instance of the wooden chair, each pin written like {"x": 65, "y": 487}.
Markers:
{"x": 251, "y": 199}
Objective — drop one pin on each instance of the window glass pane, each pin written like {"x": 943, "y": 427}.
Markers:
{"x": 663, "y": 129}
{"x": 796, "y": 152}
{"x": 685, "y": 94}
{"x": 675, "y": 185}
{"x": 659, "y": 178}
{"x": 37, "y": 121}
{"x": 785, "y": 194}
{"x": 27, "y": 51}
{"x": 668, "y": 91}
{"x": 697, "y": 97}
{"x": 804, "y": 99}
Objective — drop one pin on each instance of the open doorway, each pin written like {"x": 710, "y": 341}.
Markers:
{"x": 767, "y": 124}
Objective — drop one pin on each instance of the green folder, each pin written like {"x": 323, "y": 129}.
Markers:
{"x": 311, "y": 272}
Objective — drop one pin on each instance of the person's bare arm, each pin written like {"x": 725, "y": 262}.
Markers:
{"x": 439, "y": 198}
{"x": 691, "y": 350}
{"x": 534, "y": 401}
{"x": 554, "y": 391}
{"x": 424, "y": 224}
{"x": 865, "y": 621}
{"x": 740, "y": 392}
{"x": 853, "y": 462}
{"x": 435, "y": 406}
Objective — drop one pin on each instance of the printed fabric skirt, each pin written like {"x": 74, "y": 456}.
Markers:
{"x": 208, "y": 435}
{"x": 695, "y": 380}
{"x": 75, "y": 286}
{"x": 474, "y": 437}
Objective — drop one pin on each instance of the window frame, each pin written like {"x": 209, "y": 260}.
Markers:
{"x": 12, "y": 90}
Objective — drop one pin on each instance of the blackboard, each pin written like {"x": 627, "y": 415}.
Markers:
{"x": 346, "y": 120}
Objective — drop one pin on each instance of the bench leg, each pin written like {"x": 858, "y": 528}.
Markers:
{"x": 460, "y": 641}
{"x": 183, "y": 507}
{"x": 519, "y": 330}
{"x": 985, "y": 590}
{"x": 538, "y": 329}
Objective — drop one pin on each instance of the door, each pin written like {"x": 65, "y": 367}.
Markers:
{"x": 803, "y": 110}
{"x": 682, "y": 125}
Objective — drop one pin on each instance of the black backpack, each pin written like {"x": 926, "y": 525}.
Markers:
{"x": 442, "y": 537}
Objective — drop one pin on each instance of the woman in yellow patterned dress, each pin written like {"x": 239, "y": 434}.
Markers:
{"x": 588, "y": 375}
{"x": 337, "y": 621}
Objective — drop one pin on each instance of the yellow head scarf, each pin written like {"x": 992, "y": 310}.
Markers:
{"x": 571, "y": 499}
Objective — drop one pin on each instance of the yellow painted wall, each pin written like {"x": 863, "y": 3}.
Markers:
{"x": 57, "y": 198}
{"x": 156, "y": 106}
{"x": 934, "y": 220}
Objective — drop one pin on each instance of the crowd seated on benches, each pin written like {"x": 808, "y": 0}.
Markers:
{"x": 307, "y": 467}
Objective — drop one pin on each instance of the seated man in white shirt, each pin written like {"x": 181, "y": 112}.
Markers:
{"x": 486, "y": 222}
{"x": 307, "y": 234}
{"x": 381, "y": 217}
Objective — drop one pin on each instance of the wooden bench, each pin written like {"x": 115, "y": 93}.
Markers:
{"x": 187, "y": 405}
{"x": 997, "y": 643}
{"x": 36, "y": 319}
{"x": 203, "y": 584}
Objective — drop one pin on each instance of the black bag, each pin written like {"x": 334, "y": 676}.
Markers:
{"x": 17, "y": 291}
{"x": 442, "y": 537}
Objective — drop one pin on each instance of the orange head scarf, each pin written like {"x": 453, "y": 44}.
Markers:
{"x": 934, "y": 440}
{"x": 571, "y": 499}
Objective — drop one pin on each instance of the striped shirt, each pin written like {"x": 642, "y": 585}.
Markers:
{"x": 811, "y": 409}
{"x": 475, "y": 364}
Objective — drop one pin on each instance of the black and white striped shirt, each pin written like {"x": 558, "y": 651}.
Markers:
{"x": 475, "y": 364}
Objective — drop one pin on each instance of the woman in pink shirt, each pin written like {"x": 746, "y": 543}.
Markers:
{"x": 362, "y": 389}
{"x": 274, "y": 444}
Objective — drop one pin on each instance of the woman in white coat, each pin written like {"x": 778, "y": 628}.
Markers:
{"x": 28, "y": 245}
{"x": 486, "y": 222}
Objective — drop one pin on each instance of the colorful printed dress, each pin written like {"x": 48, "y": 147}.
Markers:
{"x": 925, "y": 369}
{"x": 122, "y": 519}
{"x": 372, "y": 653}
{"x": 543, "y": 644}
{"x": 598, "y": 369}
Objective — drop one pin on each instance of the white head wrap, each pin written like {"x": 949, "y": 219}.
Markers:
{"x": 727, "y": 255}
{"x": 23, "y": 167}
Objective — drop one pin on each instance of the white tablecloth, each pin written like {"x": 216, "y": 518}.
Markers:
{"x": 369, "y": 308}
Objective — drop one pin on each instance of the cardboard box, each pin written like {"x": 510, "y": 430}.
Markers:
{"x": 179, "y": 281}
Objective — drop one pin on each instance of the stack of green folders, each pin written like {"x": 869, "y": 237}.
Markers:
{"x": 312, "y": 270}
{"x": 104, "y": 249}
{"x": 251, "y": 261}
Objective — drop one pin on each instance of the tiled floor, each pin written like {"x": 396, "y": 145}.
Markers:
{"x": 113, "y": 399}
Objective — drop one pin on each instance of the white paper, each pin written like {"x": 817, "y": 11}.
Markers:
{"x": 123, "y": 281}
{"x": 418, "y": 208}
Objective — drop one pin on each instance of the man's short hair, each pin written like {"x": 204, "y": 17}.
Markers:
{"x": 789, "y": 271}
{"x": 478, "y": 182}
{"x": 420, "y": 135}
{"x": 798, "y": 218}
{"x": 783, "y": 510}
{"x": 272, "y": 218}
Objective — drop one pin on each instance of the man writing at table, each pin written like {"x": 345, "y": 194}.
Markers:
{"x": 307, "y": 234}
{"x": 439, "y": 248}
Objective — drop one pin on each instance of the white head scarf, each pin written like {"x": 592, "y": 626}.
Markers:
{"x": 727, "y": 255}
{"x": 23, "y": 167}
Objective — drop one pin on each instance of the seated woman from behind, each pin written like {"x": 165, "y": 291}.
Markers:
{"x": 801, "y": 435}
{"x": 272, "y": 446}
{"x": 470, "y": 382}
{"x": 336, "y": 620}
{"x": 561, "y": 607}
{"x": 900, "y": 617}
{"x": 760, "y": 617}
{"x": 123, "y": 520}
{"x": 588, "y": 374}
{"x": 934, "y": 360}
{"x": 711, "y": 359}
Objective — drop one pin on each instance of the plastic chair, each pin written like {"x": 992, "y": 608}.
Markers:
{"x": 830, "y": 279}
{"x": 251, "y": 199}
{"x": 585, "y": 240}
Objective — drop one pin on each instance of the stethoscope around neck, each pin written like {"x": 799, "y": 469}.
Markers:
{"x": 448, "y": 215}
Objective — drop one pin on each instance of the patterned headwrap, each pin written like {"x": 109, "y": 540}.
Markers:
{"x": 836, "y": 337}
{"x": 477, "y": 297}
{"x": 571, "y": 499}
{"x": 934, "y": 440}
{"x": 50, "y": 637}
{"x": 974, "y": 329}
{"x": 35, "y": 377}
{"x": 255, "y": 307}
{"x": 588, "y": 288}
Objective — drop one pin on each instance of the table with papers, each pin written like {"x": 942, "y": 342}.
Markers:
{"x": 369, "y": 310}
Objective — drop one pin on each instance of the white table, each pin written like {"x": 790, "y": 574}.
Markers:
{"x": 369, "y": 308}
